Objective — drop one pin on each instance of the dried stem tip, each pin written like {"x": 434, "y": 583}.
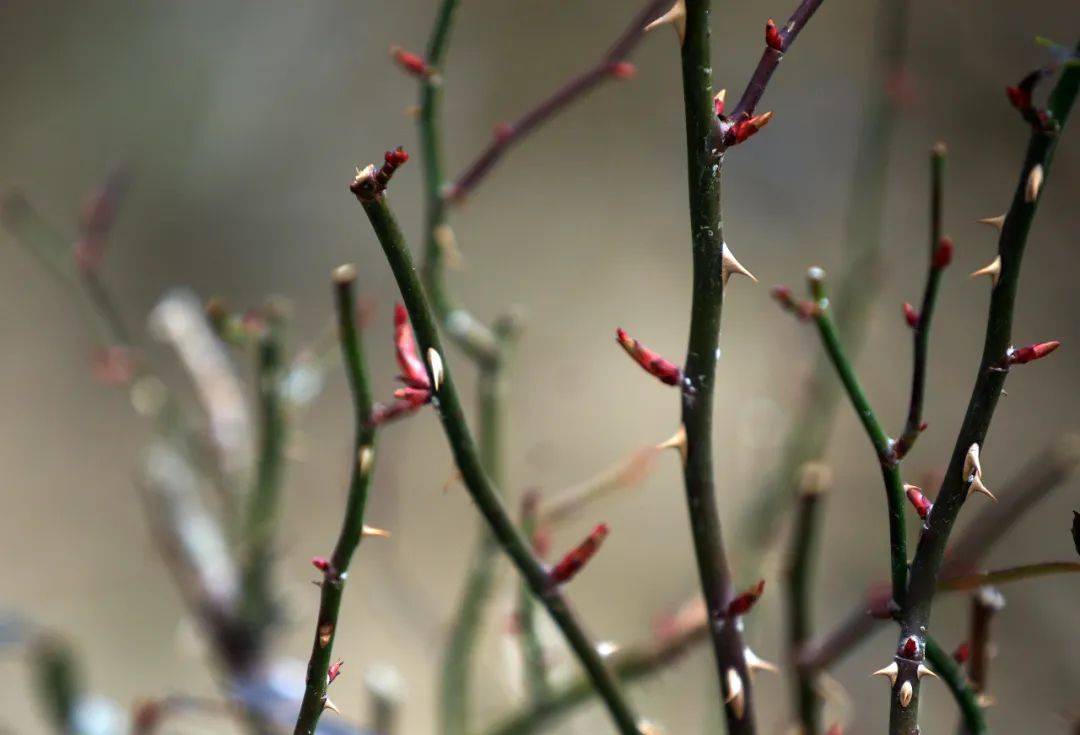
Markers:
{"x": 773, "y": 39}
{"x": 943, "y": 253}
{"x": 1024, "y": 355}
{"x": 663, "y": 370}
{"x": 745, "y": 601}
{"x": 579, "y": 556}
{"x": 918, "y": 500}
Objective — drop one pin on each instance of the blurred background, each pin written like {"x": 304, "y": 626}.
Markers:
{"x": 240, "y": 124}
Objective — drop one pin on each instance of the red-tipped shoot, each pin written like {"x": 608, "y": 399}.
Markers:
{"x": 663, "y": 370}
{"x": 910, "y": 315}
{"x": 773, "y": 39}
{"x": 1024, "y": 355}
{"x": 918, "y": 500}
{"x": 804, "y": 310}
{"x": 579, "y": 556}
{"x": 334, "y": 672}
{"x": 943, "y": 253}
{"x": 410, "y": 62}
{"x": 746, "y": 600}
{"x": 622, "y": 70}
{"x": 320, "y": 563}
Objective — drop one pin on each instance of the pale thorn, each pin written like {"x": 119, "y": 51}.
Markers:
{"x": 648, "y": 728}
{"x": 365, "y": 458}
{"x": 923, "y": 670}
{"x": 729, "y": 264}
{"x": 973, "y": 473}
{"x": 372, "y": 531}
{"x": 607, "y": 648}
{"x": 720, "y": 97}
{"x": 985, "y": 700}
{"x": 996, "y": 222}
{"x": 736, "y": 697}
{"x": 906, "y": 693}
{"x": 993, "y": 270}
{"x": 435, "y": 361}
{"x": 455, "y": 478}
{"x": 327, "y": 704}
{"x": 677, "y": 441}
{"x": 447, "y": 243}
{"x": 891, "y": 671}
{"x": 756, "y": 663}
{"x": 676, "y": 16}
{"x": 977, "y": 486}
{"x": 1034, "y": 184}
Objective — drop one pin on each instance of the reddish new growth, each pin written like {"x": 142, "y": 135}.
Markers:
{"x": 410, "y": 62}
{"x": 745, "y": 601}
{"x": 962, "y": 653}
{"x": 417, "y": 389}
{"x": 579, "y": 556}
{"x": 773, "y": 39}
{"x": 911, "y": 316}
{"x": 1020, "y": 97}
{"x": 909, "y": 648}
{"x": 746, "y": 127}
{"x": 96, "y": 221}
{"x": 320, "y": 563}
{"x": 1024, "y": 355}
{"x": 943, "y": 254}
{"x": 918, "y": 501}
{"x": 371, "y": 182}
{"x": 622, "y": 70}
{"x": 663, "y": 370}
{"x": 804, "y": 310}
{"x": 334, "y": 672}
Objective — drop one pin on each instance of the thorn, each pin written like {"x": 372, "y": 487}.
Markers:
{"x": 973, "y": 473}
{"x": 729, "y": 264}
{"x": 367, "y": 531}
{"x": 326, "y": 632}
{"x": 985, "y": 700}
{"x": 676, "y": 16}
{"x": 365, "y": 459}
{"x": 718, "y": 102}
{"x": 924, "y": 671}
{"x": 606, "y": 649}
{"x": 677, "y": 441}
{"x": 327, "y": 704}
{"x": 773, "y": 39}
{"x": 996, "y": 222}
{"x": 756, "y": 663}
{"x": 891, "y": 671}
{"x": 455, "y": 478}
{"x": 736, "y": 697}
{"x": 993, "y": 270}
{"x": 435, "y": 361}
{"x": 1034, "y": 184}
{"x": 906, "y": 692}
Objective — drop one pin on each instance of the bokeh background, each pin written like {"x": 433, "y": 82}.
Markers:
{"x": 241, "y": 122}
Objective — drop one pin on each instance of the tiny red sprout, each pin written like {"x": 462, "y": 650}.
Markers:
{"x": 502, "y": 131}
{"x": 663, "y": 370}
{"x": 923, "y": 426}
{"x": 1027, "y": 354}
{"x": 718, "y": 102}
{"x": 396, "y": 157}
{"x": 909, "y": 647}
{"x": 410, "y": 62}
{"x": 622, "y": 70}
{"x": 413, "y": 396}
{"x": 802, "y": 309}
{"x": 334, "y": 672}
{"x": 744, "y": 129}
{"x": 773, "y": 39}
{"x": 742, "y": 604}
{"x": 413, "y": 372}
{"x": 579, "y": 556}
{"x": 1018, "y": 98}
{"x": 962, "y": 653}
{"x": 910, "y": 315}
{"x": 320, "y": 563}
{"x": 943, "y": 254}
{"x": 835, "y": 729}
{"x": 918, "y": 501}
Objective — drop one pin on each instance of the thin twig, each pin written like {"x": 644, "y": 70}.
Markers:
{"x": 468, "y": 461}
{"x": 989, "y": 382}
{"x": 537, "y": 686}
{"x": 352, "y": 523}
{"x": 1009, "y": 574}
{"x": 575, "y": 88}
{"x": 966, "y": 698}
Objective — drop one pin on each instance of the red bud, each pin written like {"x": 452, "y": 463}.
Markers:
{"x": 410, "y": 62}
{"x": 1025, "y": 355}
{"x": 503, "y": 131}
{"x": 962, "y": 653}
{"x": 910, "y": 315}
{"x": 943, "y": 254}
{"x": 773, "y": 39}
{"x": 622, "y": 70}
{"x": 1019, "y": 99}
{"x": 918, "y": 500}
{"x": 664, "y": 370}
{"x": 579, "y": 556}
{"x": 742, "y": 604}
{"x": 744, "y": 129}
{"x": 909, "y": 647}
{"x": 334, "y": 672}
{"x": 413, "y": 372}
{"x": 320, "y": 563}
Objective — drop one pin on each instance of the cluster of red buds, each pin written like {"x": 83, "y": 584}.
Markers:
{"x": 663, "y": 370}
{"x": 773, "y": 38}
{"x": 97, "y": 219}
{"x": 411, "y": 63}
{"x": 1020, "y": 97}
{"x": 371, "y": 182}
{"x": 622, "y": 70}
{"x": 918, "y": 500}
{"x": 416, "y": 391}
{"x": 1024, "y": 355}
{"x": 804, "y": 310}
{"x": 742, "y": 603}
{"x": 579, "y": 556}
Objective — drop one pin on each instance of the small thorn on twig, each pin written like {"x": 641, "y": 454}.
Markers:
{"x": 735, "y": 696}
{"x": 993, "y": 270}
{"x": 755, "y": 663}
{"x": 677, "y": 441}
{"x": 676, "y": 17}
{"x": 436, "y": 363}
{"x": 365, "y": 458}
{"x": 973, "y": 474}
{"x": 996, "y": 222}
{"x": 1034, "y": 184}
{"x": 729, "y": 265}
{"x": 744, "y": 129}
{"x": 371, "y": 531}
{"x": 890, "y": 672}
{"x": 328, "y": 704}
{"x": 923, "y": 670}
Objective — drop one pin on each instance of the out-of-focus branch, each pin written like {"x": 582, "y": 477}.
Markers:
{"x": 628, "y": 471}
{"x": 469, "y": 463}
{"x": 612, "y": 65}
{"x": 537, "y": 686}
{"x": 813, "y": 483}
{"x": 1003, "y": 576}
{"x": 966, "y": 697}
{"x": 352, "y": 523}
{"x": 986, "y": 603}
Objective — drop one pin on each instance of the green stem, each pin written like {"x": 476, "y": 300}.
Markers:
{"x": 989, "y": 382}
{"x": 966, "y": 698}
{"x": 476, "y": 480}
{"x": 537, "y": 686}
{"x": 352, "y": 524}
{"x": 890, "y": 470}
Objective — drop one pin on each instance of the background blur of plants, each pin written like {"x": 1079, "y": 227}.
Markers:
{"x": 240, "y": 123}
